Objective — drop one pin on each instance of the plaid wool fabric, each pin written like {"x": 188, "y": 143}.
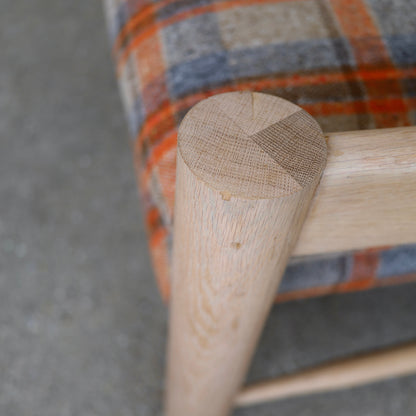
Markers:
{"x": 349, "y": 63}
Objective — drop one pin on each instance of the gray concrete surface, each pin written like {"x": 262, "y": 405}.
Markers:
{"x": 82, "y": 329}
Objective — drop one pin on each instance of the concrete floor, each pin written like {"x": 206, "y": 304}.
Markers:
{"x": 82, "y": 328}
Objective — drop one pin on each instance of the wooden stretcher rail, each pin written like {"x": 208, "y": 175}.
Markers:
{"x": 367, "y": 194}
{"x": 348, "y": 373}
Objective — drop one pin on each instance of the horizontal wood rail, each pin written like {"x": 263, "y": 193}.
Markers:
{"x": 352, "y": 372}
{"x": 367, "y": 194}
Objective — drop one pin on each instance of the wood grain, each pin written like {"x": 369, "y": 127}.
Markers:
{"x": 239, "y": 207}
{"x": 367, "y": 194}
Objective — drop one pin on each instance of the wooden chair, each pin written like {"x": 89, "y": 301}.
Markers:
{"x": 249, "y": 194}
{"x": 257, "y": 181}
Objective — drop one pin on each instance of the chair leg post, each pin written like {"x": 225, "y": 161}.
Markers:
{"x": 230, "y": 251}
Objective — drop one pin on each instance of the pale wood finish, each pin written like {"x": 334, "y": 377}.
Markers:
{"x": 233, "y": 234}
{"x": 348, "y": 373}
{"x": 367, "y": 194}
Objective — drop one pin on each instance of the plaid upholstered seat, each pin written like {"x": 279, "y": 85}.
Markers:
{"x": 350, "y": 63}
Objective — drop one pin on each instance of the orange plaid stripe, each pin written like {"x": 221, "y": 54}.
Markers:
{"x": 364, "y": 37}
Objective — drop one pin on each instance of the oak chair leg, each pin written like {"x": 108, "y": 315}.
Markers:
{"x": 247, "y": 167}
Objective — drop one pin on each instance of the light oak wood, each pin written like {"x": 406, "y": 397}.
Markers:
{"x": 348, "y": 373}
{"x": 367, "y": 194}
{"x": 247, "y": 168}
